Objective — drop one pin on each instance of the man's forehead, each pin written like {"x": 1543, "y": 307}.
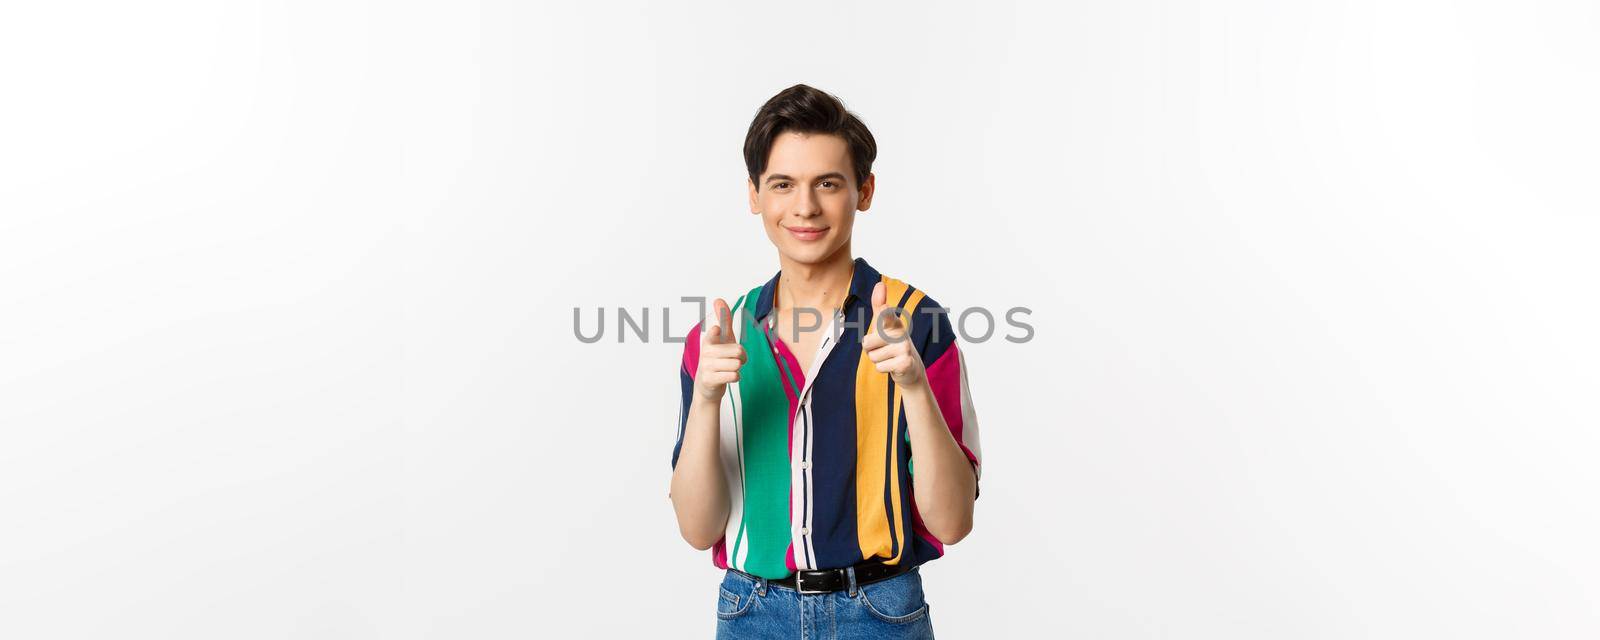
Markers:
{"x": 801, "y": 154}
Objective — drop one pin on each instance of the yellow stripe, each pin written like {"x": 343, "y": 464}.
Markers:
{"x": 873, "y": 433}
{"x": 894, "y": 454}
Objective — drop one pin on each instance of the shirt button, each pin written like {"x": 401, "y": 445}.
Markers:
{"x": 805, "y": 531}
{"x": 805, "y": 465}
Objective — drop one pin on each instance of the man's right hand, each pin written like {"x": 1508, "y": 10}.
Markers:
{"x": 720, "y": 356}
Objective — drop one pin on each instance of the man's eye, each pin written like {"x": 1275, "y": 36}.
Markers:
{"x": 828, "y": 184}
{"x": 781, "y": 185}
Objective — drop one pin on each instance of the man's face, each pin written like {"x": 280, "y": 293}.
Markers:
{"x": 808, "y": 197}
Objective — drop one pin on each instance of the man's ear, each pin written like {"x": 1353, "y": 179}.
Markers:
{"x": 751, "y": 185}
{"x": 865, "y": 202}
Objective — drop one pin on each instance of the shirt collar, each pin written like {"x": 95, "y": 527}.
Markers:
{"x": 862, "y": 280}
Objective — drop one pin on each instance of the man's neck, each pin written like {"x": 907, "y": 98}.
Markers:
{"x": 821, "y": 286}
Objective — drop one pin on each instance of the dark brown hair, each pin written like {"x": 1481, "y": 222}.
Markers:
{"x": 805, "y": 109}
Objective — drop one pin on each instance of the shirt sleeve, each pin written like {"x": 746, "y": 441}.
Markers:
{"x": 946, "y": 366}
{"x": 686, "y": 368}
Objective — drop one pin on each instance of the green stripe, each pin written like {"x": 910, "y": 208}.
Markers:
{"x": 738, "y": 447}
{"x": 765, "y": 416}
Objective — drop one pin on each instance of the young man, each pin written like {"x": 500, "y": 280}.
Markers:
{"x": 827, "y": 444}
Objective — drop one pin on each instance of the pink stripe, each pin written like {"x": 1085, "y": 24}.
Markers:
{"x": 922, "y": 530}
{"x": 799, "y": 381}
{"x": 691, "y": 351}
{"x": 944, "y": 378}
{"x": 782, "y": 351}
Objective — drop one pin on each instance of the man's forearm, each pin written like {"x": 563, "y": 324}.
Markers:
{"x": 699, "y": 492}
{"x": 945, "y": 483}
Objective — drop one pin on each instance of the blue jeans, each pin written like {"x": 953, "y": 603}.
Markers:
{"x": 751, "y": 607}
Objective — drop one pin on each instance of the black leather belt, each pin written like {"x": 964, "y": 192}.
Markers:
{"x": 828, "y": 580}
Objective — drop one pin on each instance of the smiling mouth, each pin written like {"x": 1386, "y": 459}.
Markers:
{"x": 807, "y": 233}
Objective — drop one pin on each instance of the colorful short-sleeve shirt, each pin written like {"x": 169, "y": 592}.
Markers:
{"x": 819, "y": 463}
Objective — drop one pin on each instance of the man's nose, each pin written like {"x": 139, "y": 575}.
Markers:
{"x": 806, "y": 204}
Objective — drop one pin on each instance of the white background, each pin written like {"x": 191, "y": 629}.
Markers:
{"x": 286, "y": 295}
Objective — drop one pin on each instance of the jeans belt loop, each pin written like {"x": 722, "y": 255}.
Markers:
{"x": 850, "y": 574}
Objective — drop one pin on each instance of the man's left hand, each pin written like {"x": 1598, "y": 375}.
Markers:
{"x": 888, "y": 344}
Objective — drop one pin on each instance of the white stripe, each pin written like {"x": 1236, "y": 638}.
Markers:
{"x": 796, "y": 507}
{"x": 733, "y": 460}
{"x": 969, "y": 418}
{"x": 797, "y": 479}
{"x": 732, "y": 436}
{"x": 811, "y": 505}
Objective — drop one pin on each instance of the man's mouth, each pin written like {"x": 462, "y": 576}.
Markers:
{"x": 807, "y": 233}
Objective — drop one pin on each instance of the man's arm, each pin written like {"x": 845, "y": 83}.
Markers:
{"x": 945, "y": 482}
{"x": 945, "y": 476}
{"x": 699, "y": 491}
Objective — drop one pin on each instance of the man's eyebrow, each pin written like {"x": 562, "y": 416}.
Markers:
{"x": 826, "y": 176}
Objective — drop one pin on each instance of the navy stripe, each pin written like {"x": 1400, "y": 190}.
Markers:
{"x": 932, "y": 331}
{"x": 833, "y": 409}
{"x": 888, "y": 468}
{"x": 908, "y": 524}
{"x": 805, "y": 487}
{"x": 906, "y": 296}
{"x": 687, "y": 382}
{"x": 891, "y": 461}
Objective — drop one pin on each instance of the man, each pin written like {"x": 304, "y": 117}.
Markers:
{"x": 804, "y": 401}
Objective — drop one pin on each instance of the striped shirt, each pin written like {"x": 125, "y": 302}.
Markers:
{"x": 819, "y": 463}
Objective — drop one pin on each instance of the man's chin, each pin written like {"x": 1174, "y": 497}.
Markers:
{"x": 807, "y": 255}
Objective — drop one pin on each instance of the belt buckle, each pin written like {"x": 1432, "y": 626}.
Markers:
{"x": 800, "y": 583}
